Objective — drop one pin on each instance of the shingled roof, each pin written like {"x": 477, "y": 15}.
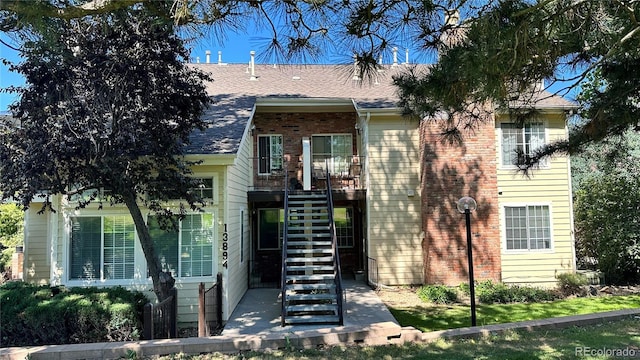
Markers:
{"x": 234, "y": 93}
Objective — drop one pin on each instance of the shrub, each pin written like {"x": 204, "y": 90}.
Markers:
{"x": 38, "y": 315}
{"x": 571, "y": 283}
{"x": 489, "y": 292}
{"x": 438, "y": 294}
{"x": 607, "y": 227}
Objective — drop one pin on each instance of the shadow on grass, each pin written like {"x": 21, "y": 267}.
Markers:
{"x": 436, "y": 317}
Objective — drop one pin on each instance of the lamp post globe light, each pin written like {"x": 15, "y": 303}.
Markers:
{"x": 465, "y": 206}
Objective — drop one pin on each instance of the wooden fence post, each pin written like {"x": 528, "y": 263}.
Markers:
{"x": 173, "y": 327}
{"x": 202, "y": 321}
{"x": 219, "y": 299}
{"x": 147, "y": 321}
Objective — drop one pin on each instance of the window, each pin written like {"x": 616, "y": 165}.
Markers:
{"x": 102, "y": 248}
{"x": 527, "y": 227}
{"x": 335, "y": 150}
{"x": 520, "y": 140}
{"x": 269, "y": 153}
{"x": 271, "y": 223}
{"x": 343, "y": 218}
{"x": 188, "y": 250}
{"x": 205, "y": 190}
{"x": 241, "y": 235}
{"x": 88, "y": 194}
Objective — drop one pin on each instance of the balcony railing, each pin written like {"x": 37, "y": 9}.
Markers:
{"x": 346, "y": 174}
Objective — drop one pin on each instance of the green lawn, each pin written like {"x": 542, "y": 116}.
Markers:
{"x": 440, "y": 317}
{"x": 541, "y": 344}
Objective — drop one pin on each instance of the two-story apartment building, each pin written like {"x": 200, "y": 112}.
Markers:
{"x": 394, "y": 187}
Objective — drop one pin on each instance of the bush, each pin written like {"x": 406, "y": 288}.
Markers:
{"x": 438, "y": 294}
{"x": 607, "y": 227}
{"x": 11, "y": 232}
{"x": 489, "y": 292}
{"x": 571, "y": 283}
{"x": 39, "y": 315}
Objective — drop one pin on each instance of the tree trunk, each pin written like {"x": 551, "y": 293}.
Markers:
{"x": 162, "y": 281}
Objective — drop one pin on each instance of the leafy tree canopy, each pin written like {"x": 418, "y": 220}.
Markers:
{"x": 108, "y": 104}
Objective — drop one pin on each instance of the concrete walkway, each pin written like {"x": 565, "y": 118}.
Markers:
{"x": 255, "y": 325}
{"x": 258, "y": 313}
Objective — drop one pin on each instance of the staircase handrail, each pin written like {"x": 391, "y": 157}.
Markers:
{"x": 285, "y": 231}
{"x": 334, "y": 248}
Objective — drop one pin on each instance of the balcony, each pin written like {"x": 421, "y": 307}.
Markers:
{"x": 346, "y": 173}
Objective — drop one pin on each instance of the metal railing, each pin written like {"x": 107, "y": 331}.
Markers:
{"x": 266, "y": 179}
{"x": 345, "y": 174}
{"x": 336, "y": 256}
{"x": 210, "y": 308}
{"x": 160, "y": 321}
{"x": 283, "y": 275}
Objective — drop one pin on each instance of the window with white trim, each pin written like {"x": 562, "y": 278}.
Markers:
{"x": 205, "y": 190}
{"x": 269, "y": 153}
{"x": 188, "y": 250}
{"x": 517, "y": 140}
{"x": 527, "y": 227}
{"x": 336, "y": 150}
{"x": 102, "y": 248}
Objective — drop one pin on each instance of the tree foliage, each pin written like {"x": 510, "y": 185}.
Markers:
{"x": 607, "y": 227}
{"x": 109, "y": 104}
{"x": 11, "y": 232}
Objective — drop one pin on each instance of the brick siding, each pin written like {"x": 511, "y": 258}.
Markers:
{"x": 449, "y": 172}
{"x": 294, "y": 126}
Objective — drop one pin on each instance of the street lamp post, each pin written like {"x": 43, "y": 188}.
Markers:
{"x": 465, "y": 206}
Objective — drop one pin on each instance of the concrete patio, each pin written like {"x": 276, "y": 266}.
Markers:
{"x": 258, "y": 313}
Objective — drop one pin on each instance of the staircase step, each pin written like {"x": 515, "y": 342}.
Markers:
{"x": 310, "y": 221}
{"x": 308, "y": 202}
{"x": 312, "y": 308}
{"x": 307, "y": 287}
{"x": 310, "y": 297}
{"x": 315, "y": 277}
{"x": 308, "y": 196}
{"x": 309, "y": 251}
{"x": 309, "y": 236}
{"x": 313, "y": 319}
{"x": 310, "y": 260}
{"x": 309, "y": 228}
{"x": 310, "y": 268}
{"x": 308, "y": 243}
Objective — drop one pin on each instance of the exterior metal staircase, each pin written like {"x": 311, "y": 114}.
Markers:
{"x": 311, "y": 282}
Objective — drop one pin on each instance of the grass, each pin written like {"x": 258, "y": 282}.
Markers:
{"x": 440, "y": 317}
{"x": 522, "y": 344}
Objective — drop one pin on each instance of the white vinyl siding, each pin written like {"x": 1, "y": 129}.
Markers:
{"x": 547, "y": 186}
{"x": 394, "y": 229}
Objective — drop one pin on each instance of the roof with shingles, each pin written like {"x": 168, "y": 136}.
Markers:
{"x": 234, "y": 94}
